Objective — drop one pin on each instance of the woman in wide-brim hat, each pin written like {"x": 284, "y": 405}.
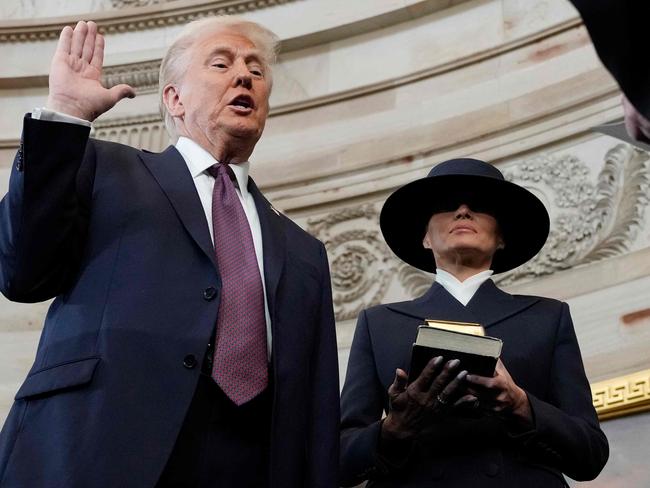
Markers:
{"x": 528, "y": 424}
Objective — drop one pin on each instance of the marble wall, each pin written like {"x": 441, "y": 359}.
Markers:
{"x": 369, "y": 95}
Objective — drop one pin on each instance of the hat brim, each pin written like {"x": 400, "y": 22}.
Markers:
{"x": 522, "y": 218}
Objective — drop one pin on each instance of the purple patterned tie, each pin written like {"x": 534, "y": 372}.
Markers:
{"x": 240, "y": 355}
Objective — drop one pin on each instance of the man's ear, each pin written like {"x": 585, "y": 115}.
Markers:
{"x": 425, "y": 241}
{"x": 172, "y": 100}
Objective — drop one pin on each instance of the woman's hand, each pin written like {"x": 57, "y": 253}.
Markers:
{"x": 501, "y": 395}
{"x": 414, "y": 406}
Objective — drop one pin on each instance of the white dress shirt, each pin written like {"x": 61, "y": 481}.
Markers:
{"x": 198, "y": 161}
{"x": 463, "y": 291}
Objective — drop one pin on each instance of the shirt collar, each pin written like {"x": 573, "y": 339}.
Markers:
{"x": 463, "y": 291}
{"x": 198, "y": 160}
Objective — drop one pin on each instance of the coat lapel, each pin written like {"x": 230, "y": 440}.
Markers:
{"x": 436, "y": 304}
{"x": 487, "y": 307}
{"x": 492, "y": 305}
{"x": 273, "y": 244}
{"x": 170, "y": 171}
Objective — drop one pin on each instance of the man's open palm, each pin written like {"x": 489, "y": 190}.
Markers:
{"x": 75, "y": 75}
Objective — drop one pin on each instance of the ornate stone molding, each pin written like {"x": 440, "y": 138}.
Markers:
{"x": 133, "y": 19}
{"x": 141, "y": 76}
{"x": 361, "y": 264}
{"x": 623, "y": 395}
{"x": 137, "y": 3}
{"x": 142, "y": 131}
{"x": 592, "y": 221}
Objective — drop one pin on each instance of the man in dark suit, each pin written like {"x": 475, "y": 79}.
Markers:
{"x": 525, "y": 426}
{"x": 618, "y": 30}
{"x": 191, "y": 342}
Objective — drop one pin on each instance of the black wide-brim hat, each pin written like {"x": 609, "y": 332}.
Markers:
{"x": 523, "y": 220}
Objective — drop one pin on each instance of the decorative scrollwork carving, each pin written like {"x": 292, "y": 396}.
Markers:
{"x": 137, "y": 3}
{"x": 593, "y": 221}
{"x": 361, "y": 264}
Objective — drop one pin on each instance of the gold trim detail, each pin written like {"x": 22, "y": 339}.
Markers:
{"x": 623, "y": 395}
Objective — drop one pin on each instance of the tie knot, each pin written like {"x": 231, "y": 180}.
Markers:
{"x": 222, "y": 169}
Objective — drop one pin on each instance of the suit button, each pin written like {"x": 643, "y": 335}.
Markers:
{"x": 492, "y": 469}
{"x": 209, "y": 293}
{"x": 189, "y": 361}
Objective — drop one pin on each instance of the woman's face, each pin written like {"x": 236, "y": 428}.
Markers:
{"x": 463, "y": 236}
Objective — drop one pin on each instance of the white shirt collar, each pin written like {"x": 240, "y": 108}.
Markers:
{"x": 463, "y": 291}
{"x": 199, "y": 160}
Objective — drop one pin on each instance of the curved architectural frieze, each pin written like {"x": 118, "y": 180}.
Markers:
{"x": 137, "y": 3}
{"x": 589, "y": 222}
{"x": 592, "y": 221}
{"x": 141, "y": 76}
{"x": 134, "y": 19}
{"x": 361, "y": 264}
{"x": 143, "y": 131}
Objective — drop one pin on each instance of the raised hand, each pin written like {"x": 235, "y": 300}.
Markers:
{"x": 75, "y": 75}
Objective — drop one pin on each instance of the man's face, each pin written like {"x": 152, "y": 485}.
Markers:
{"x": 462, "y": 232}
{"x": 224, "y": 92}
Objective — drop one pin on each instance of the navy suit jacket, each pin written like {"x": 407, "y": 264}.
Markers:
{"x": 541, "y": 353}
{"x": 119, "y": 237}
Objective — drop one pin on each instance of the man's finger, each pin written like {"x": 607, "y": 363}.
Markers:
{"x": 89, "y": 42}
{"x": 65, "y": 40}
{"x": 78, "y": 38}
{"x": 98, "y": 52}
{"x": 119, "y": 92}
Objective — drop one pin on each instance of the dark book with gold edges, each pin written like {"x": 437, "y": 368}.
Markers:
{"x": 477, "y": 352}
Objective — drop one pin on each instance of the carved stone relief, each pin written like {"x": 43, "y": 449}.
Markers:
{"x": 137, "y": 3}
{"x": 361, "y": 264}
{"x": 143, "y": 77}
{"x": 144, "y": 132}
{"x": 590, "y": 221}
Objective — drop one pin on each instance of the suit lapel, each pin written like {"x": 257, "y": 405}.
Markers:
{"x": 170, "y": 171}
{"x": 273, "y": 244}
{"x": 492, "y": 305}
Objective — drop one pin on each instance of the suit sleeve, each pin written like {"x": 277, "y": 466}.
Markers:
{"x": 362, "y": 406}
{"x": 567, "y": 434}
{"x": 323, "y": 447}
{"x": 44, "y": 216}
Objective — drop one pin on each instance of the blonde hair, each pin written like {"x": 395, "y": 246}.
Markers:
{"x": 174, "y": 63}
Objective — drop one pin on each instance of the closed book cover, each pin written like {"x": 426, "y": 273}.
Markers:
{"x": 477, "y": 354}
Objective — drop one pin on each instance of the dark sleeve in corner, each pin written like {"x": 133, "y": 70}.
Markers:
{"x": 323, "y": 446}
{"x": 362, "y": 406}
{"x": 44, "y": 216}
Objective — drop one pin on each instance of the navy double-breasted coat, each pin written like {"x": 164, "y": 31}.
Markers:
{"x": 542, "y": 355}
